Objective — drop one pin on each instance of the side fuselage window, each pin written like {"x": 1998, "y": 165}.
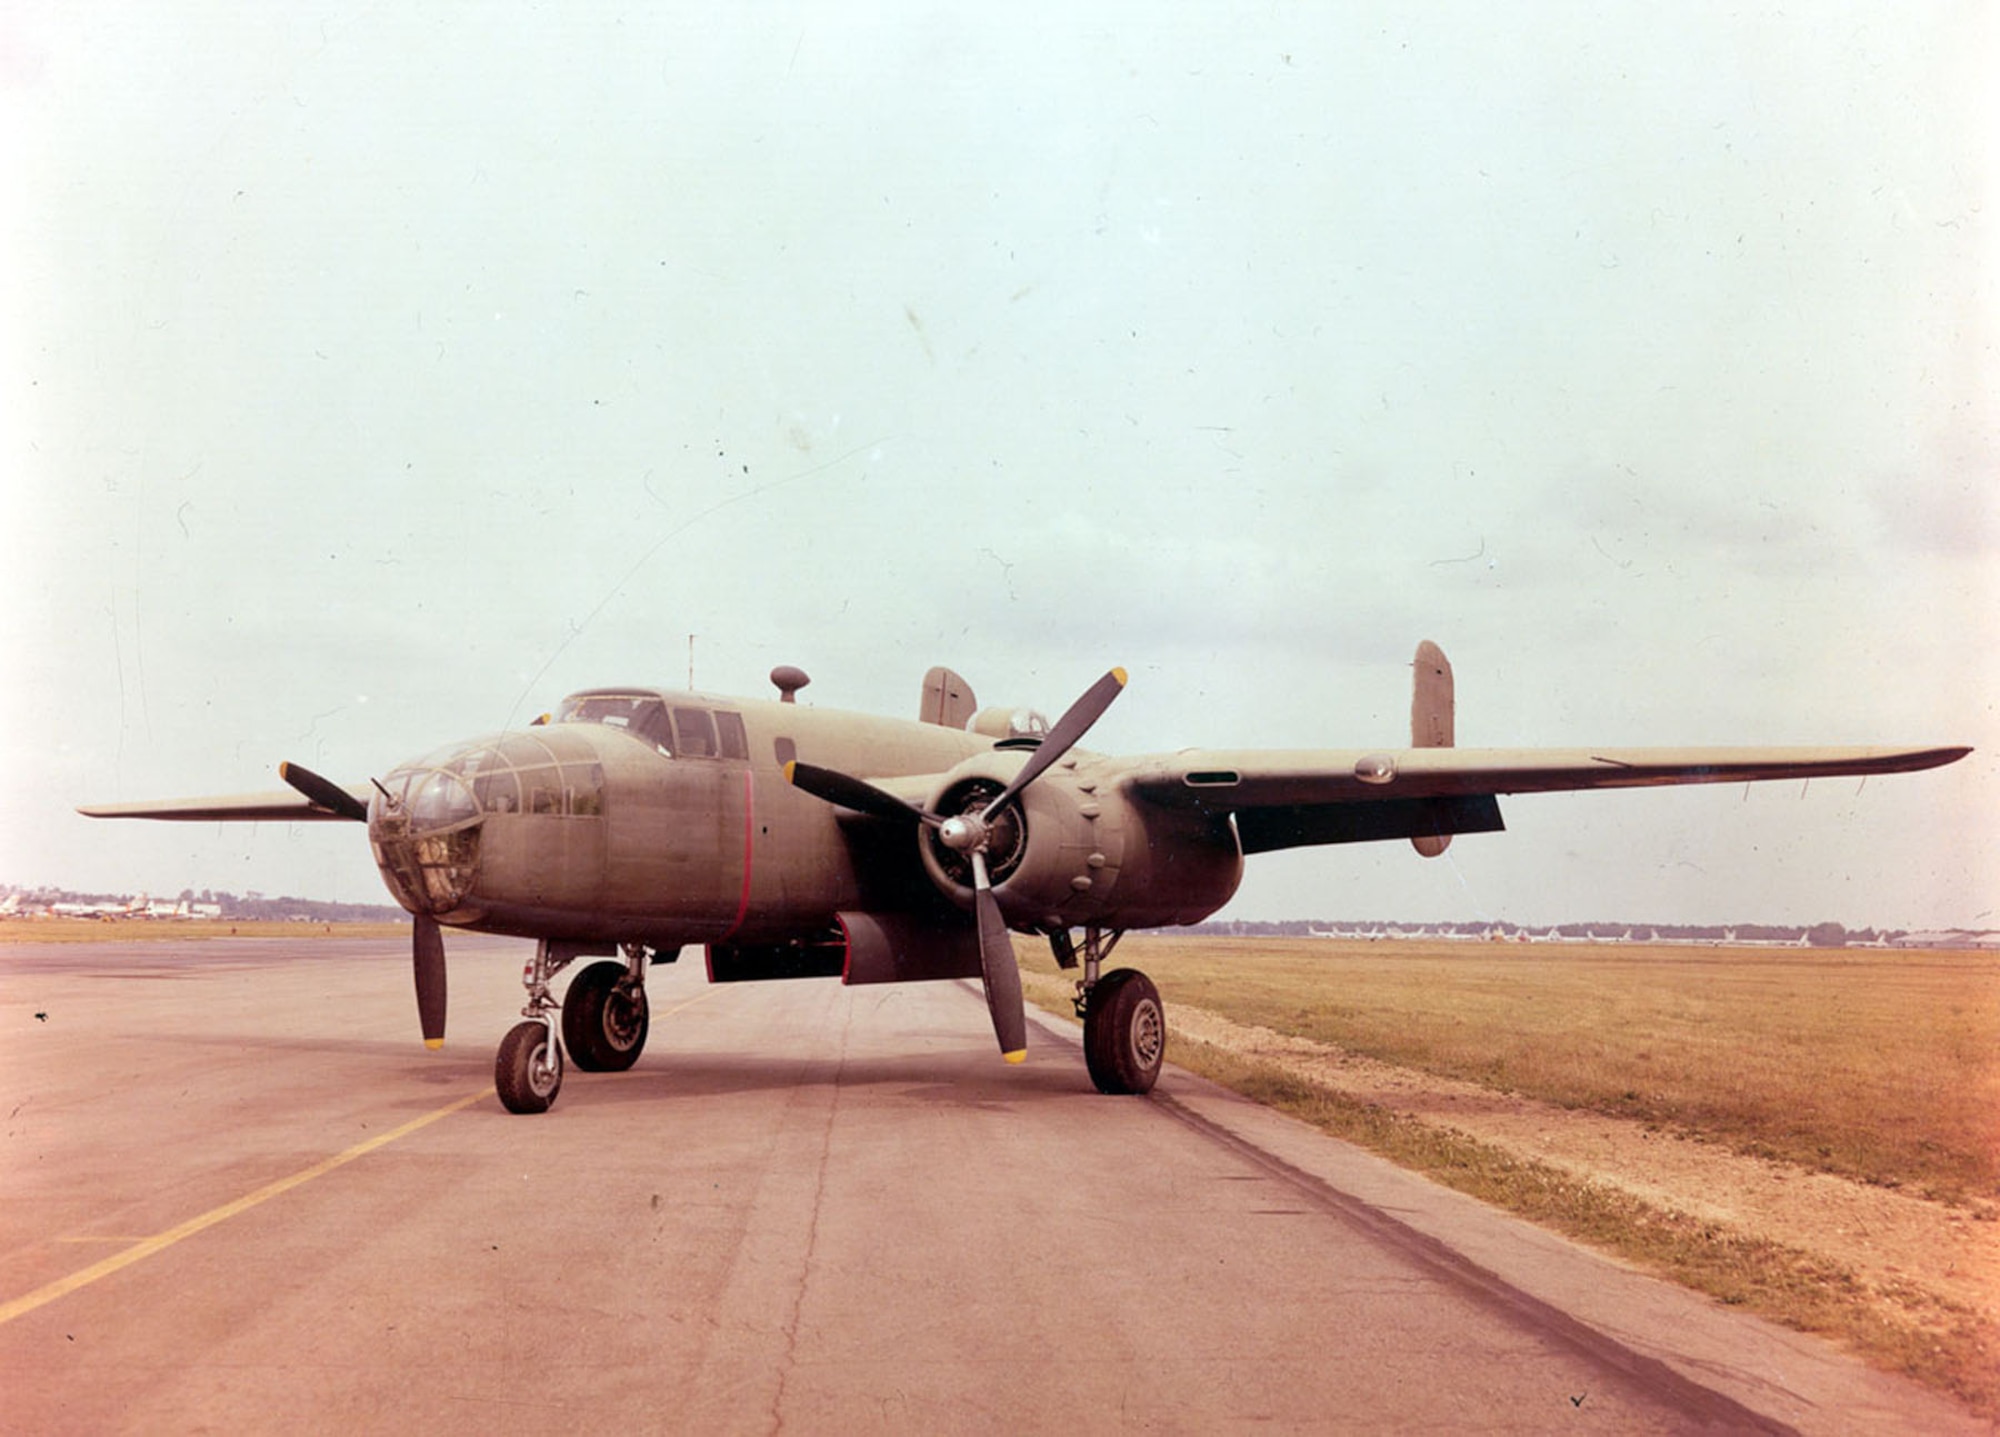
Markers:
{"x": 574, "y": 790}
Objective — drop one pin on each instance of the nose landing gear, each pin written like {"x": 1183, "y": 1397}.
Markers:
{"x": 604, "y": 1022}
{"x": 528, "y": 1070}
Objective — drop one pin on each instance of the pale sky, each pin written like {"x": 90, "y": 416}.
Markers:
{"x": 375, "y": 375}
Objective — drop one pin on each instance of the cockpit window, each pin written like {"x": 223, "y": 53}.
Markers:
{"x": 695, "y": 732}
{"x": 1027, "y": 723}
{"x": 729, "y": 727}
{"x": 685, "y": 732}
{"x": 641, "y": 715}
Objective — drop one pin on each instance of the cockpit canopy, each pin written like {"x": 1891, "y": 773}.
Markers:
{"x": 1010, "y": 725}
{"x": 644, "y": 716}
{"x": 686, "y": 729}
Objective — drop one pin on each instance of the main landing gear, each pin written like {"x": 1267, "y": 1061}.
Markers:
{"x": 604, "y": 1024}
{"x": 1124, "y": 1025}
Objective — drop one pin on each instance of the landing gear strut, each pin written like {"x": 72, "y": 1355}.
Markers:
{"x": 604, "y": 1020}
{"x": 1124, "y": 1024}
{"x": 527, "y": 1071}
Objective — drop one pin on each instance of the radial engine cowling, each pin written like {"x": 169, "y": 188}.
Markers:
{"x": 1072, "y": 850}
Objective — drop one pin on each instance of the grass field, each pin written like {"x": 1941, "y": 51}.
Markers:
{"x": 1880, "y": 1065}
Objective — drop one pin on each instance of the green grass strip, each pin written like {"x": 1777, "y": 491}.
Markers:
{"x": 1906, "y": 1329}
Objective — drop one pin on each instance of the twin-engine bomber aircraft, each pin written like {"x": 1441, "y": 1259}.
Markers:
{"x": 799, "y": 843}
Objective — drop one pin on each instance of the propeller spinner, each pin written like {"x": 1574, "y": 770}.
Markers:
{"x": 971, "y": 834}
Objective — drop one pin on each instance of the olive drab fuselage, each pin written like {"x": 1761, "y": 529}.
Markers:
{"x": 645, "y": 815}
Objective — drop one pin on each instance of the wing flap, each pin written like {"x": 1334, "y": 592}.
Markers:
{"x": 912, "y": 788}
{"x": 1428, "y": 820}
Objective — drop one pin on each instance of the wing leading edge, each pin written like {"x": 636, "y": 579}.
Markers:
{"x": 284, "y": 807}
{"x": 1291, "y": 798}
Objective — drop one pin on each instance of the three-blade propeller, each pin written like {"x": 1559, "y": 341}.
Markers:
{"x": 971, "y": 835}
{"x": 324, "y": 792}
{"x": 427, "y": 944}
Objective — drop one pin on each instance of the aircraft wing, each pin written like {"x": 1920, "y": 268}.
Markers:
{"x": 282, "y": 807}
{"x": 911, "y": 789}
{"x": 1284, "y": 799}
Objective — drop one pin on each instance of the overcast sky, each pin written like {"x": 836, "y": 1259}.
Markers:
{"x": 375, "y": 375}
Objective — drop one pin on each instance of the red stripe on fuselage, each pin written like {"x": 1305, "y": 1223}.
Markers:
{"x": 749, "y": 845}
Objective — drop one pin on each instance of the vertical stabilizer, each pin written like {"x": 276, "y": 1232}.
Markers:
{"x": 947, "y": 700}
{"x": 1431, "y": 722}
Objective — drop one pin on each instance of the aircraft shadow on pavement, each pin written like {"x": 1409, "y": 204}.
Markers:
{"x": 967, "y": 1077}
{"x": 930, "y": 1079}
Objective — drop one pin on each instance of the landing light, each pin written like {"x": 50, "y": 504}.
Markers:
{"x": 1375, "y": 768}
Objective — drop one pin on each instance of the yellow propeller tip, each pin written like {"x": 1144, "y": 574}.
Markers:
{"x": 1019, "y": 1055}
{"x": 433, "y": 1043}
{"x": 1119, "y": 674}
{"x": 794, "y": 763}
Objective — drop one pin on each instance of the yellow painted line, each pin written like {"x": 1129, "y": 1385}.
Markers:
{"x": 146, "y": 1247}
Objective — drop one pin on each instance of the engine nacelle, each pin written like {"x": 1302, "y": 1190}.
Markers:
{"x": 1072, "y": 850}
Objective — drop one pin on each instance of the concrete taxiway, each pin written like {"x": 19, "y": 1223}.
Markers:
{"x": 236, "y": 1194}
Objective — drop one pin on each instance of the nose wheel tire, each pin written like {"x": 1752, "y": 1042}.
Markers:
{"x": 1124, "y": 1033}
{"x": 604, "y": 1019}
{"x": 528, "y": 1071}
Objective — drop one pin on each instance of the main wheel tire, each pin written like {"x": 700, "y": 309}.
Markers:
{"x": 1124, "y": 1033}
{"x": 604, "y": 1021}
{"x": 528, "y": 1070}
